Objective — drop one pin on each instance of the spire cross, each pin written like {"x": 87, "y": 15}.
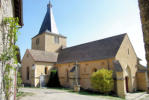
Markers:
{"x": 50, "y": 4}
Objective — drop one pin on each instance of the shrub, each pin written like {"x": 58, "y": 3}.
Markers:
{"x": 102, "y": 81}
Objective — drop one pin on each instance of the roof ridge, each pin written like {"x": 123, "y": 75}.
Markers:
{"x": 43, "y": 56}
{"x": 42, "y": 51}
{"x": 95, "y": 41}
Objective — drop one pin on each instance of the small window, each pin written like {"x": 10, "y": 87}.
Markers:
{"x": 56, "y": 39}
{"x": 85, "y": 69}
{"x": 67, "y": 75}
{"x": 27, "y": 55}
{"x": 95, "y": 70}
{"x": 27, "y": 73}
{"x": 46, "y": 70}
{"x": 86, "y": 64}
{"x": 102, "y": 63}
{"x": 128, "y": 51}
{"x": 37, "y": 41}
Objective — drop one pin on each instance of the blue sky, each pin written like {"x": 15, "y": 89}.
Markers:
{"x": 84, "y": 20}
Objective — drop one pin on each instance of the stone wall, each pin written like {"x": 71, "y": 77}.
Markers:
{"x": 27, "y": 61}
{"x": 86, "y": 70}
{"x": 6, "y": 10}
{"x": 40, "y": 70}
{"x": 128, "y": 60}
{"x": 46, "y": 42}
{"x": 141, "y": 81}
{"x": 34, "y": 74}
{"x": 41, "y": 45}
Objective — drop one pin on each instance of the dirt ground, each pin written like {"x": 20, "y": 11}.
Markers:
{"x": 55, "y": 94}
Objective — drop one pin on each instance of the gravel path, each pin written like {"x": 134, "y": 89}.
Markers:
{"x": 52, "y": 94}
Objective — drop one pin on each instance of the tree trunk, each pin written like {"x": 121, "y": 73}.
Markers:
{"x": 144, "y": 14}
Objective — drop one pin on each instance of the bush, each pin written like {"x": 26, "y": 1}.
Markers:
{"x": 102, "y": 81}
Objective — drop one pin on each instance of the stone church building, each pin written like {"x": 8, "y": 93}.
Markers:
{"x": 49, "y": 52}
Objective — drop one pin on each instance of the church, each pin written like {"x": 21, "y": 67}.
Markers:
{"x": 49, "y": 51}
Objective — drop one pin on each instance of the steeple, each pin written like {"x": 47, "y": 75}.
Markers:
{"x": 48, "y": 24}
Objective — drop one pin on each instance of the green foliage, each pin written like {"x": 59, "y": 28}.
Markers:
{"x": 10, "y": 30}
{"x": 102, "y": 81}
{"x": 19, "y": 80}
{"x": 8, "y": 81}
{"x": 13, "y": 25}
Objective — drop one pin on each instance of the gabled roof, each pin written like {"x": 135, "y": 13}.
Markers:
{"x": 73, "y": 69}
{"x": 48, "y": 24}
{"x": 96, "y": 50}
{"x": 141, "y": 68}
{"x": 43, "y": 56}
{"x": 117, "y": 66}
{"x": 18, "y": 10}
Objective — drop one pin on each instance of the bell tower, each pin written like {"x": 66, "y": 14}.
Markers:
{"x": 48, "y": 38}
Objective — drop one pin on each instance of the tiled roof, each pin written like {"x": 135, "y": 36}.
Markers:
{"x": 43, "y": 56}
{"x": 73, "y": 69}
{"x": 100, "y": 49}
{"x": 117, "y": 66}
{"x": 141, "y": 68}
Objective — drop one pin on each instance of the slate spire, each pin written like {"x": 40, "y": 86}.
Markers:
{"x": 48, "y": 24}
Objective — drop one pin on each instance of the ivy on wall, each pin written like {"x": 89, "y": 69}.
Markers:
{"x": 9, "y": 54}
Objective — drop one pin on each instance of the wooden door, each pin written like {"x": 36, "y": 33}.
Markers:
{"x": 126, "y": 80}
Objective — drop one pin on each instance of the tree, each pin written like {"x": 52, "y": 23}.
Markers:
{"x": 144, "y": 14}
{"x": 102, "y": 81}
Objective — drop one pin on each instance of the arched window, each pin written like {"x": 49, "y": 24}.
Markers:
{"x": 56, "y": 39}
{"x": 46, "y": 70}
{"x": 67, "y": 75}
{"x": 37, "y": 41}
{"x": 94, "y": 70}
{"x": 27, "y": 73}
{"x": 85, "y": 70}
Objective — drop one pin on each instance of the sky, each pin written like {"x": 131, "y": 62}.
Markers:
{"x": 83, "y": 21}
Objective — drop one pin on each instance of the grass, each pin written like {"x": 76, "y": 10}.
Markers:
{"x": 111, "y": 97}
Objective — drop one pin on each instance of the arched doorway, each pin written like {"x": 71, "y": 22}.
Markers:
{"x": 128, "y": 79}
{"x": 126, "y": 82}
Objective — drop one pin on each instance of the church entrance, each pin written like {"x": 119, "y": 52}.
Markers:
{"x": 126, "y": 82}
